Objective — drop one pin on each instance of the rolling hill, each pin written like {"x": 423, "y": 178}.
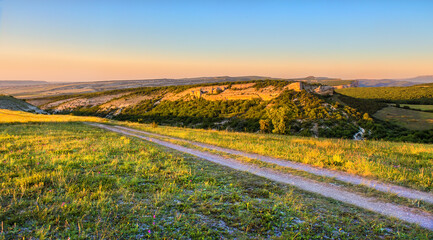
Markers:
{"x": 276, "y": 106}
{"x": 11, "y": 103}
{"x": 419, "y": 94}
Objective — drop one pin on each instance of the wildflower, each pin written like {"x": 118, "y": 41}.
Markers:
{"x": 149, "y": 231}
{"x": 37, "y": 163}
{"x": 63, "y": 204}
{"x": 153, "y": 223}
{"x": 154, "y": 216}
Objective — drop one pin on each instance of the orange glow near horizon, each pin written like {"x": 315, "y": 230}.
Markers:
{"x": 75, "y": 67}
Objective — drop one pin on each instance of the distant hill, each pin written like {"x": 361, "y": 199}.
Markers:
{"x": 241, "y": 106}
{"x": 11, "y": 103}
{"x": 421, "y": 79}
{"x": 20, "y": 83}
{"x": 417, "y": 94}
{"x": 58, "y": 89}
{"x": 37, "y": 89}
{"x": 404, "y": 82}
{"x": 385, "y": 83}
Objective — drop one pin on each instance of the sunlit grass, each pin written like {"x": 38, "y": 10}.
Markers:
{"x": 8, "y": 116}
{"x": 401, "y": 163}
{"x": 69, "y": 180}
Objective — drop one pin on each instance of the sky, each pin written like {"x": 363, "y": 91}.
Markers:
{"x": 82, "y": 40}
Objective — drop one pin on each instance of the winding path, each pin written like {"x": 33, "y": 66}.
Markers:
{"x": 339, "y": 175}
{"x": 407, "y": 214}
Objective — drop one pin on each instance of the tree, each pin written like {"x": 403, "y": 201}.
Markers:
{"x": 366, "y": 117}
{"x": 265, "y": 125}
{"x": 280, "y": 117}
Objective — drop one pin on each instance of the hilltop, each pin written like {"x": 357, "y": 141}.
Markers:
{"x": 277, "y": 106}
{"x": 28, "y": 91}
{"x": 311, "y": 106}
{"x": 20, "y": 83}
{"x": 70, "y": 88}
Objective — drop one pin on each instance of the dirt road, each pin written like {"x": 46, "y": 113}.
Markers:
{"x": 339, "y": 175}
{"x": 407, "y": 214}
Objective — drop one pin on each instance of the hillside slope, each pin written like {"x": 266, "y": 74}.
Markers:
{"x": 419, "y": 94}
{"x": 276, "y": 106}
{"x": 58, "y": 89}
{"x": 11, "y": 103}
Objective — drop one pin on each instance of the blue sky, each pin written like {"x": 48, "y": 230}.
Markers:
{"x": 97, "y": 40}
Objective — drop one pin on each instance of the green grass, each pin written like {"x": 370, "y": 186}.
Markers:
{"x": 358, "y": 189}
{"x": 405, "y": 164}
{"x": 418, "y": 107}
{"x": 419, "y": 94}
{"x": 61, "y": 180}
{"x": 410, "y": 119}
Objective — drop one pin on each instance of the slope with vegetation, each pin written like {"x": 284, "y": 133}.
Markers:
{"x": 11, "y": 103}
{"x": 274, "y": 106}
{"x": 418, "y": 94}
{"x": 397, "y": 111}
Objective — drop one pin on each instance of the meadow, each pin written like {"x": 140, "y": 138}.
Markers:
{"x": 69, "y": 180}
{"x": 400, "y": 163}
{"x": 9, "y": 116}
{"x": 417, "y": 94}
{"x": 407, "y": 118}
{"x": 418, "y": 107}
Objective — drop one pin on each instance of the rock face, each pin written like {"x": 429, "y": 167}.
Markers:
{"x": 296, "y": 86}
{"x": 324, "y": 90}
{"x": 355, "y": 83}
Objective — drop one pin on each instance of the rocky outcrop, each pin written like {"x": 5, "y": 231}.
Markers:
{"x": 296, "y": 86}
{"x": 324, "y": 90}
{"x": 245, "y": 91}
{"x": 355, "y": 83}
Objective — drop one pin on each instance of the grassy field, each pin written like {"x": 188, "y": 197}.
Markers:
{"x": 69, "y": 180}
{"x": 418, "y": 107}
{"x": 414, "y": 120}
{"x": 419, "y": 94}
{"x": 400, "y": 163}
{"x": 8, "y": 116}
